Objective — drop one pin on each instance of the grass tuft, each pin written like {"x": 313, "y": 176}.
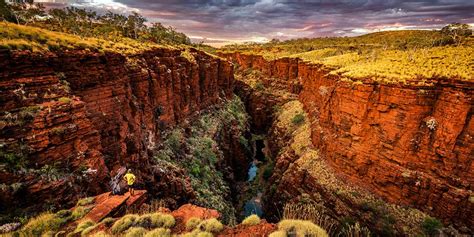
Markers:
{"x": 193, "y": 223}
{"x": 301, "y": 228}
{"x": 159, "y": 232}
{"x": 211, "y": 225}
{"x": 135, "y": 232}
{"x": 251, "y": 220}
{"x": 124, "y": 224}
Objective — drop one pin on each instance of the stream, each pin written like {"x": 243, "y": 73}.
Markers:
{"x": 254, "y": 205}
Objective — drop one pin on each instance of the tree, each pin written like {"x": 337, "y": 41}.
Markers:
{"x": 457, "y": 31}
{"x": 6, "y": 12}
{"x": 135, "y": 25}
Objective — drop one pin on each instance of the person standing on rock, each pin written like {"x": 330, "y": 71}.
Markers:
{"x": 130, "y": 178}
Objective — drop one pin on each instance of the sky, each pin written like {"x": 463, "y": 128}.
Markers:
{"x": 219, "y": 22}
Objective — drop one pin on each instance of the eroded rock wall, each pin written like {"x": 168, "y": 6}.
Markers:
{"x": 410, "y": 145}
{"x": 70, "y": 119}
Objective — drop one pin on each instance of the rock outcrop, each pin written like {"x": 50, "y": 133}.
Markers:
{"x": 411, "y": 145}
{"x": 70, "y": 119}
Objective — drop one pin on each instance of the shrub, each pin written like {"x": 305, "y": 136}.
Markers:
{"x": 198, "y": 233}
{"x": 211, "y": 225}
{"x": 83, "y": 225}
{"x": 109, "y": 221}
{"x": 135, "y": 232}
{"x": 431, "y": 225}
{"x": 302, "y": 228}
{"x": 268, "y": 171}
{"x": 159, "y": 232}
{"x": 123, "y": 224}
{"x": 279, "y": 233}
{"x": 88, "y": 230}
{"x": 193, "y": 223}
{"x": 144, "y": 221}
{"x": 298, "y": 119}
{"x": 100, "y": 234}
{"x": 65, "y": 100}
{"x": 161, "y": 220}
{"x": 41, "y": 224}
{"x": 79, "y": 212}
{"x": 85, "y": 201}
{"x": 174, "y": 141}
{"x": 259, "y": 86}
{"x": 251, "y": 220}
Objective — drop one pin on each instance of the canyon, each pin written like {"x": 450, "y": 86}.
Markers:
{"x": 410, "y": 145}
{"x": 71, "y": 119}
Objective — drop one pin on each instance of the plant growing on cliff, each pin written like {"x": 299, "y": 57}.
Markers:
{"x": 211, "y": 225}
{"x": 85, "y": 201}
{"x": 158, "y": 232}
{"x": 301, "y": 228}
{"x": 192, "y": 223}
{"x": 431, "y": 226}
{"x": 124, "y": 223}
{"x": 251, "y": 220}
{"x": 41, "y": 224}
{"x": 298, "y": 119}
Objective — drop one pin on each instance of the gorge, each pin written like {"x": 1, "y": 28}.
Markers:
{"x": 188, "y": 124}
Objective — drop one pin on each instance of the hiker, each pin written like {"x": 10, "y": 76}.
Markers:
{"x": 130, "y": 178}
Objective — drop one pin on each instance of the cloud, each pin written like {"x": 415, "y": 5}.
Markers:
{"x": 235, "y": 20}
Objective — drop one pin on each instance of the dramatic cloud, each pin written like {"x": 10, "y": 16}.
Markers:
{"x": 222, "y": 21}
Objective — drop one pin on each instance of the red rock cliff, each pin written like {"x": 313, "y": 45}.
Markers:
{"x": 409, "y": 145}
{"x": 70, "y": 119}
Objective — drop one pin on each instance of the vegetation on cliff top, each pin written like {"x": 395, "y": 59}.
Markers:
{"x": 19, "y": 37}
{"x": 388, "y": 57}
{"x": 27, "y": 26}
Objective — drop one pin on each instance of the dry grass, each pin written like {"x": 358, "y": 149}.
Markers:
{"x": 302, "y": 211}
{"x": 251, "y": 220}
{"x": 301, "y": 228}
{"x": 19, "y": 37}
{"x": 387, "y": 57}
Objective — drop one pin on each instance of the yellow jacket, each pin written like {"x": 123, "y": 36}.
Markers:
{"x": 130, "y": 178}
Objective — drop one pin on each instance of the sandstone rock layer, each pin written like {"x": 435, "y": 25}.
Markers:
{"x": 70, "y": 119}
{"x": 411, "y": 145}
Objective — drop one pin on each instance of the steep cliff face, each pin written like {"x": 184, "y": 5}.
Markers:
{"x": 70, "y": 119}
{"x": 409, "y": 145}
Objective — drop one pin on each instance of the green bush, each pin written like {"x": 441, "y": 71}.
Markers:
{"x": 251, "y": 220}
{"x": 65, "y": 100}
{"x": 259, "y": 86}
{"x": 85, "y": 201}
{"x": 135, "y": 232}
{"x": 109, "y": 221}
{"x": 41, "y": 224}
{"x": 198, "y": 233}
{"x": 88, "y": 230}
{"x": 298, "y": 119}
{"x": 124, "y": 223}
{"x": 278, "y": 233}
{"x": 268, "y": 171}
{"x": 174, "y": 141}
{"x": 431, "y": 225}
{"x": 79, "y": 212}
{"x": 211, "y": 225}
{"x": 144, "y": 221}
{"x": 302, "y": 228}
{"x": 192, "y": 223}
{"x": 162, "y": 220}
{"x": 83, "y": 225}
{"x": 159, "y": 232}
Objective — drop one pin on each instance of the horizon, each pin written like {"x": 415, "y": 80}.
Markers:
{"x": 223, "y": 22}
